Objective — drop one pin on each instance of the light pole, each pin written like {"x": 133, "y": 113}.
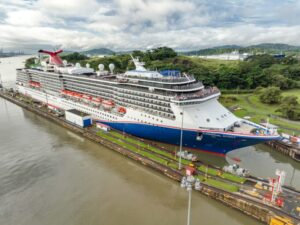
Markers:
{"x": 181, "y": 136}
{"x": 188, "y": 182}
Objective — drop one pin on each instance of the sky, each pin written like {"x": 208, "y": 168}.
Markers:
{"x": 144, "y": 24}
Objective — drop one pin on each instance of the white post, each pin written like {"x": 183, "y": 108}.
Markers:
{"x": 189, "y": 207}
{"x": 181, "y": 134}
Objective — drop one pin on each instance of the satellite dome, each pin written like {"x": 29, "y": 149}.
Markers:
{"x": 65, "y": 62}
{"x": 111, "y": 67}
{"x": 101, "y": 67}
{"x": 77, "y": 65}
{"x": 87, "y": 65}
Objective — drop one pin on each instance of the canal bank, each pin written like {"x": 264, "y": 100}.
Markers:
{"x": 290, "y": 150}
{"x": 247, "y": 204}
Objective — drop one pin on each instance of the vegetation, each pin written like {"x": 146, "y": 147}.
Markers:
{"x": 250, "y": 105}
{"x": 290, "y": 108}
{"x": 227, "y": 176}
{"x": 74, "y": 57}
{"x": 30, "y": 62}
{"x": 218, "y": 184}
{"x": 266, "y": 47}
{"x": 270, "y": 95}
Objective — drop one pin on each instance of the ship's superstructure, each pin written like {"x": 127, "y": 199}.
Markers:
{"x": 149, "y": 104}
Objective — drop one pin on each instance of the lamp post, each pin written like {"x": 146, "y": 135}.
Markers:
{"x": 181, "y": 136}
{"x": 188, "y": 182}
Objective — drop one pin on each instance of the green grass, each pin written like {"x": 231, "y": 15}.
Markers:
{"x": 295, "y": 92}
{"x": 149, "y": 147}
{"x": 137, "y": 150}
{"x": 219, "y": 184}
{"x": 259, "y": 111}
{"x": 227, "y": 176}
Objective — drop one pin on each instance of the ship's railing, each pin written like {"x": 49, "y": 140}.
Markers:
{"x": 170, "y": 87}
{"x": 188, "y": 86}
{"x": 168, "y": 79}
{"x": 146, "y": 91}
{"x": 203, "y": 93}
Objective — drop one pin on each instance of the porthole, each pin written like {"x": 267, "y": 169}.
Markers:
{"x": 207, "y": 120}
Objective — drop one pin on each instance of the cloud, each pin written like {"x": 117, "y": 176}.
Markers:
{"x": 132, "y": 24}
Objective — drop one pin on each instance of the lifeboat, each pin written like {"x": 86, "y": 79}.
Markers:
{"x": 122, "y": 110}
{"x": 71, "y": 93}
{"x": 34, "y": 84}
{"x": 96, "y": 100}
{"x": 86, "y": 98}
{"x": 108, "y": 104}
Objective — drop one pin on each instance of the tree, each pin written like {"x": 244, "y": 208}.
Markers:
{"x": 161, "y": 53}
{"x": 270, "y": 95}
{"x": 263, "y": 61}
{"x": 74, "y": 57}
{"x": 290, "y": 108}
{"x": 29, "y": 62}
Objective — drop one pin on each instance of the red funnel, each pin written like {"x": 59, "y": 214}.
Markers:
{"x": 54, "y": 58}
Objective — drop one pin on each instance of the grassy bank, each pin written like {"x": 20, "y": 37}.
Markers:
{"x": 250, "y": 105}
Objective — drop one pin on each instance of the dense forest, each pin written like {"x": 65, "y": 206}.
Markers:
{"x": 259, "y": 70}
{"x": 269, "y": 48}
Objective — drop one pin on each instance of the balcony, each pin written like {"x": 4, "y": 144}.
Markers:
{"x": 199, "y": 95}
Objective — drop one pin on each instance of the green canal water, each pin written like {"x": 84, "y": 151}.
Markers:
{"x": 49, "y": 175}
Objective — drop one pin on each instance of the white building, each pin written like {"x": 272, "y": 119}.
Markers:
{"x": 235, "y": 55}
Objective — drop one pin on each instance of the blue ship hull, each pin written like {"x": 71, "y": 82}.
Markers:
{"x": 214, "y": 142}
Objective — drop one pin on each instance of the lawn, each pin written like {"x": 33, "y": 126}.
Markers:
{"x": 251, "y": 106}
{"x": 137, "y": 150}
{"x": 135, "y": 141}
{"x": 227, "y": 176}
{"x": 218, "y": 184}
{"x": 292, "y": 92}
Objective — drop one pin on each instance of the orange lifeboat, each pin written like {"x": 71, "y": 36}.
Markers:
{"x": 86, "y": 98}
{"x": 108, "y": 104}
{"x": 96, "y": 100}
{"x": 34, "y": 84}
{"x": 122, "y": 110}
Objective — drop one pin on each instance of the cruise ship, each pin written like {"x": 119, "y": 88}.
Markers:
{"x": 164, "y": 106}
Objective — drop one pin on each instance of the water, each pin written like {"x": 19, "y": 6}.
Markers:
{"x": 49, "y": 175}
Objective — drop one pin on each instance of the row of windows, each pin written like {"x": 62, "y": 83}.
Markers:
{"x": 97, "y": 112}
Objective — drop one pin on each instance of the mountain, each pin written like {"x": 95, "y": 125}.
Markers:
{"x": 271, "y": 48}
{"x": 99, "y": 51}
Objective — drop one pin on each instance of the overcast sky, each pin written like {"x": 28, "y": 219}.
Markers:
{"x": 142, "y": 24}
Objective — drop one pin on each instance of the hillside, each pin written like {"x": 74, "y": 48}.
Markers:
{"x": 272, "y": 48}
{"x": 99, "y": 51}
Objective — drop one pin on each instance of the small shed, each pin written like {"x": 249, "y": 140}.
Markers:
{"x": 78, "y": 118}
{"x": 103, "y": 126}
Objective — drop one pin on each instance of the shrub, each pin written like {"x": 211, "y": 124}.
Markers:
{"x": 270, "y": 95}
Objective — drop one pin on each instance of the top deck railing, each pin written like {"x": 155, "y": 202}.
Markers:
{"x": 199, "y": 94}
